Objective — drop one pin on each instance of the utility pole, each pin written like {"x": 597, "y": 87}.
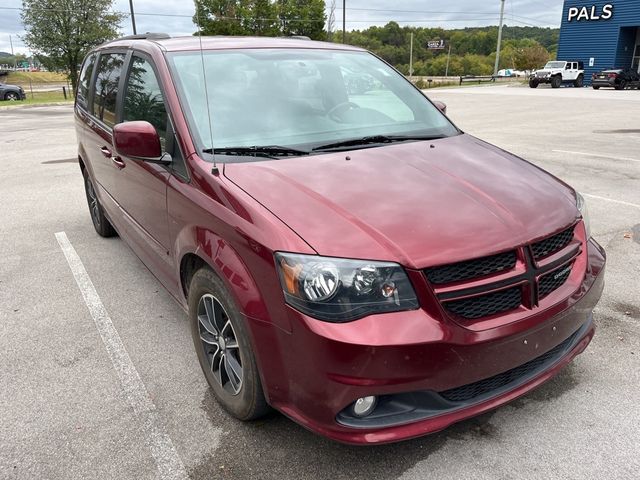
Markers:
{"x": 14, "y": 57}
{"x": 133, "y": 17}
{"x": 495, "y": 70}
{"x": 411, "y": 57}
{"x": 344, "y": 21}
{"x": 446, "y": 72}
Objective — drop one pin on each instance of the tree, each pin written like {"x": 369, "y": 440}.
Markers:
{"x": 530, "y": 58}
{"x": 65, "y": 30}
{"x": 261, "y": 17}
{"x": 331, "y": 21}
{"x": 222, "y": 17}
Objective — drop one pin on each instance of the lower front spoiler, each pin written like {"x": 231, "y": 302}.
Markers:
{"x": 395, "y": 410}
{"x": 426, "y": 422}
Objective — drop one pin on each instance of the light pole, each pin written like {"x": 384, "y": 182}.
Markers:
{"x": 495, "y": 70}
{"x": 411, "y": 57}
{"x": 133, "y": 17}
{"x": 344, "y": 20}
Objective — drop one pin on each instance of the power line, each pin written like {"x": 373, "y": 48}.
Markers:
{"x": 486, "y": 16}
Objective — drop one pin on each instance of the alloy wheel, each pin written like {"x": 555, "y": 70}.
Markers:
{"x": 12, "y": 97}
{"x": 220, "y": 344}
{"x": 93, "y": 203}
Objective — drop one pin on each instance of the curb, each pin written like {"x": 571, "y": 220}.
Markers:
{"x": 36, "y": 105}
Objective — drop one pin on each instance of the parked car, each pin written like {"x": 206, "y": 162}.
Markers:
{"x": 617, "y": 78}
{"x": 367, "y": 269}
{"x": 556, "y": 73}
{"x": 11, "y": 92}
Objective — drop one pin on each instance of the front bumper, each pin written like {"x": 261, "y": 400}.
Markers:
{"x": 541, "y": 79}
{"x": 326, "y": 367}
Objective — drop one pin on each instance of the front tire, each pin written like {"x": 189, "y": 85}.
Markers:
{"x": 100, "y": 222}
{"x": 222, "y": 343}
{"x": 556, "y": 82}
{"x": 11, "y": 96}
{"x": 595, "y": 87}
{"x": 533, "y": 83}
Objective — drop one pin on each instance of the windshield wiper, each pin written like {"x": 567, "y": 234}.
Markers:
{"x": 258, "y": 151}
{"x": 374, "y": 140}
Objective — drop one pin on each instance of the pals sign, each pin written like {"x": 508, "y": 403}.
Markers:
{"x": 590, "y": 14}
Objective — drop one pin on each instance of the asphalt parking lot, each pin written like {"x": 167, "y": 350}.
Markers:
{"x": 64, "y": 413}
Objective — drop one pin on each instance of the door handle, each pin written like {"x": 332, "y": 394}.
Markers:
{"x": 117, "y": 161}
{"x": 105, "y": 152}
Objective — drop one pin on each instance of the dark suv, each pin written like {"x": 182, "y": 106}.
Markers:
{"x": 347, "y": 255}
{"x": 11, "y": 92}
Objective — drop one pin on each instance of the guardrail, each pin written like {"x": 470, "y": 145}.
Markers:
{"x": 47, "y": 91}
{"x": 478, "y": 79}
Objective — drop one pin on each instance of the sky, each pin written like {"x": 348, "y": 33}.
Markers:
{"x": 174, "y": 17}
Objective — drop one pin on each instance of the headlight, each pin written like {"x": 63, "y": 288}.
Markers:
{"x": 584, "y": 211}
{"x": 340, "y": 290}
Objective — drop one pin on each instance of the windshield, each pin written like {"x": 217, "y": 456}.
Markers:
{"x": 555, "y": 65}
{"x": 298, "y": 98}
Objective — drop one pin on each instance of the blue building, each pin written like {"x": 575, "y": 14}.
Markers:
{"x": 602, "y": 34}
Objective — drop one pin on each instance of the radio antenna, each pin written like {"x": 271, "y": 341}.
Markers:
{"x": 214, "y": 170}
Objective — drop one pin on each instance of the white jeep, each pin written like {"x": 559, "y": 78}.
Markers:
{"x": 556, "y": 73}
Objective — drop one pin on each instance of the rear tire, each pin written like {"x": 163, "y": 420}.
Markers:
{"x": 622, "y": 85}
{"x": 533, "y": 83}
{"x": 556, "y": 82}
{"x": 222, "y": 343}
{"x": 579, "y": 83}
{"x": 100, "y": 222}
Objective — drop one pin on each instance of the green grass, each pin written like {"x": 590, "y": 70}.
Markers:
{"x": 47, "y": 97}
{"x": 22, "y": 78}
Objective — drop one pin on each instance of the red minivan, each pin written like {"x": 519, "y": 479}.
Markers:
{"x": 346, "y": 254}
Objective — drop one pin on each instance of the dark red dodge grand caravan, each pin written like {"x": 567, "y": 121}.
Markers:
{"x": 346, "y": 254}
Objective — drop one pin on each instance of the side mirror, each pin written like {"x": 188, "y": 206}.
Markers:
{"x": 440, "y": 106}
{"x": 139, "y": 140}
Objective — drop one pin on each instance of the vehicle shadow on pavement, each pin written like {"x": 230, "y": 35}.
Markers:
{"x": 276, "y": 447}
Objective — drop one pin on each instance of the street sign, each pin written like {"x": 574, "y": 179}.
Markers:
{"x": 435, "y": 45}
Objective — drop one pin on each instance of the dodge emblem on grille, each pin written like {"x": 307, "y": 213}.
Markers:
{"x": 562, "y": 272}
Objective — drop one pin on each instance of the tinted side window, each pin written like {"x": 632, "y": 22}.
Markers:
{"x": 143, "y": 98}
{"x": 85, "y": 79}
{"x": 106, "y": 87}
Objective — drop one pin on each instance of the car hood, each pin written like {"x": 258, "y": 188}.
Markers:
{"x": 418, "y": 203}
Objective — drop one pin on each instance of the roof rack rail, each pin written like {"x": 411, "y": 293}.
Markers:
{"x": 147, "y": 36}
{"x": 299, "y": 37}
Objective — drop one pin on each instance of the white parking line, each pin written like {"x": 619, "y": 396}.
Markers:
{"x": 169, "y": 464}
{"x": 609, "y": 157}
{"x": 612, "y": 200}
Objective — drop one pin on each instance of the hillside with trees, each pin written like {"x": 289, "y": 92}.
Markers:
{"x": 472, "y": 49}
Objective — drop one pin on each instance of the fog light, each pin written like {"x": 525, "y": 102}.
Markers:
{"x": 364, "y": 406}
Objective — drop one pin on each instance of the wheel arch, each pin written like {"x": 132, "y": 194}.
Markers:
{"x": 218, "y": 255}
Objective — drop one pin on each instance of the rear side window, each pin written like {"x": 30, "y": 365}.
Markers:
{"x": 143, "y": 97}
{"x": 85, "y": 81}
{"x": 106, "y": 87}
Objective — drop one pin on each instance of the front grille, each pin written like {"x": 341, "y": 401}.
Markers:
{"x": 552, "y": 281}
{"x": 498, "y": 382}
{"x": 472, "y": 268}
{"x": 493, "y": 296}
{"x": 486, "y": 305}
{"x": 552, "y": 244}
